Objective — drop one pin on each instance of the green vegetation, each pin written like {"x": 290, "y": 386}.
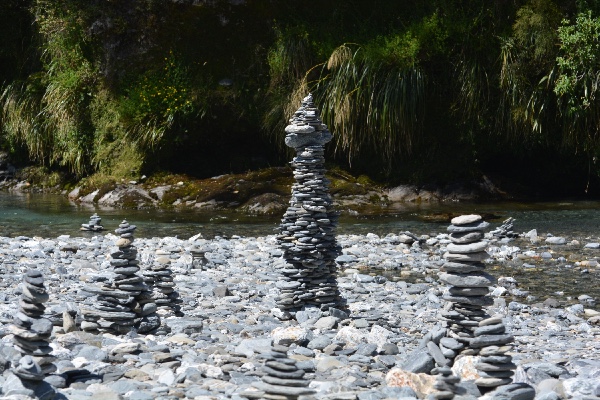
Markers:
{"x": 415, "y": 92}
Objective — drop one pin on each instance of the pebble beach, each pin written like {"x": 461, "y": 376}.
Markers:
{"x": 375, "y": 347}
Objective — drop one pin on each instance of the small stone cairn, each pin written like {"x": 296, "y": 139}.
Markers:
{"x": 445, "y": 385}
{"x": 26, "y": 380}
{"x": 93, "y": 225}
{"x": 126, "y": 303}
{"x": 199, "y": 260}
{"x": 159, "y": 277}
{"x": 505, "y": 230}
{"x": 495, "y": 367}
{"x": 282, "y": 379}
{"x": 307, "y": 235}
{"x": 31, "y": 331}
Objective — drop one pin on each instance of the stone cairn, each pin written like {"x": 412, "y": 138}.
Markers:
{"x": 282, "y": 379}
{"x": 93, "y": 225}
{"x": 159, "y": 277}
{"x": 505, "y": 230}
{"x": 31, "y": 332}
{"x": 495, "y": 367}
{"x": 307, "y": 236}
{"x": 467, "y": 322}
{"x": 26, "y": 380}
{"x": 199, "y": 260}
{"x": 445, "y": 384}
{"x": 126, "y": 302}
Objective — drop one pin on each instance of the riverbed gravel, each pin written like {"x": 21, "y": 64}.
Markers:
{"x": 393, "y": 304}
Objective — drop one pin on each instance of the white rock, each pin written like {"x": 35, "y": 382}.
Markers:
{"x": 292, "y": 334}
{"x": 378, "y": 336}
{"x": 351, "y": 336}
{"x": 166, "y": 377}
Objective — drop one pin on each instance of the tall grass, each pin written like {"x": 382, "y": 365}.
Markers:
{"x": 370, "y": 103}
{"x": 290, "y": 65}
{"x": 22, "y": 124}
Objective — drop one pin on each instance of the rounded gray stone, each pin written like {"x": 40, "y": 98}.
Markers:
{"x": 465, "y": 219}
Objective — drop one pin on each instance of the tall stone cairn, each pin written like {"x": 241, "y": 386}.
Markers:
{"x": 31, "y": 331}
{"x": 307, "y": 230}
{"x": 467, "y": 321}
{"x": 464, "y": 271}
{"x": 126, "y": 303}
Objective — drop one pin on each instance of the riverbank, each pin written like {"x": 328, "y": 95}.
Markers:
{"x": 214, "y": 350}
{"x": 265, "y": 191}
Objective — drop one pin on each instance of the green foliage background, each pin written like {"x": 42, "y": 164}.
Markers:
{"x": 423, "y": 92}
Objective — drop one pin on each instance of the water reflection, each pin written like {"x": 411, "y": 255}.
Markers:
{"x": 53, "y": 215}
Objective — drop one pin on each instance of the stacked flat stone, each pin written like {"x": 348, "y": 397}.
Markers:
{"x": 307, "y": 230}
{"x": 31, "y": 332}
{"x": 159, "y": 277}
{"x": 26, "y": 380}
{"x": 282, "y": 379}
{"x": 128, "y": 280}
{"x": 445, "y": 384}
{"x": 199, "y": 260}
{"x": 495, "y": 366}
{"x": 505, "y": 230}
{"x": 469, "y": 284}
{"x": 93, "y": 225}
{"x": 126, "y": 303}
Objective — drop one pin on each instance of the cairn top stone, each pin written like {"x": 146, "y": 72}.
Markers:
{"x": 33, "y": 273}
{"x": 465, "y": 219}
{"x": 306, "y": 128}
{"x": 28, "y": 369}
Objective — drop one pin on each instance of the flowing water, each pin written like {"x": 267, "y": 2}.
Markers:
{"x": 53, "y": 215}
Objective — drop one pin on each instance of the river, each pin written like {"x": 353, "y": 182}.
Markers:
{"x": 52, "y": 215}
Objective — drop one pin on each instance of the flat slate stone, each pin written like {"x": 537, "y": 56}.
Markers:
{"x": 496, "y": 359}
{"x": 494, "y": 350}
{"x": 489, "y": 330}
{"x": 491, "y": 340}
{"x": 468, "y": 248}
{"x": 475, "y": 226}
{"x": 418, "y": 361}
{"x": 492, "y": 382}
{"x": 481, "y": 279}
{"x": 469, "y": 291}
{"x": 481, "y": 301}
{"x": 298, "y": 374}
{"x": 283, "y": 390}
{"x": 272, "y": 380}
{"x": 436, "y": 353}
{"x": 470, "y": 257}
{"x": 462, "y": 268}
{"x": 466, "y": 237}
{"x": 491, "y": 321}
{"x": 489, "y": 367}
{"x": 513, "y": 391}
{"x": 451, "y": 343}
{"x": 465, "y": 219}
